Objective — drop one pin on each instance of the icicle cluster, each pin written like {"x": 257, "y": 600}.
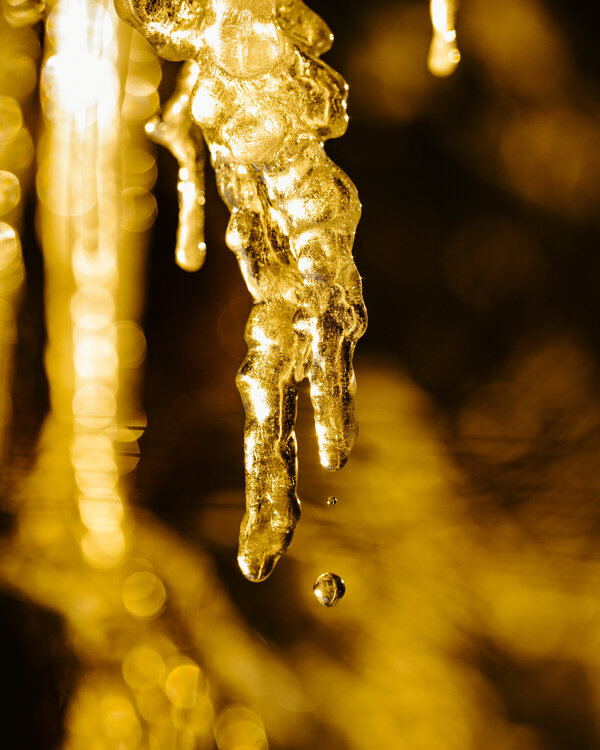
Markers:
{"x": 265, "y": 103}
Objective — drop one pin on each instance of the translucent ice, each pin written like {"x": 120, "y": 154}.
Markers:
{"x": 265, "y": 103}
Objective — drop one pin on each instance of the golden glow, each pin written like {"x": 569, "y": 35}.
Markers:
{"x": 101, "y": 509}
{"x": 143, "y": 668}
{"x": 176, "y": 131}
{"x": 96, "y": 168}
{"x": 10, "y": 191}
{"x": 144, "y": 595}
{"x": 182, "y": 685}
{"x": 81, "y": 96}
{"x": 204, "y": 105}
{"x": 450, "y": 595}
{"x": 9, "y": 246}
{"x": 237, "y": 727}
{"x": 11, "y": 119}
{"x": 443, "y": 52}
{"x": 17, "y": 79}
{"x": 104, "y": 547}
{"x": 20, "y": 13}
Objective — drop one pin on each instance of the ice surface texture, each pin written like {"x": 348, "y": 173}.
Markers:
{"x": 265, "y": 103}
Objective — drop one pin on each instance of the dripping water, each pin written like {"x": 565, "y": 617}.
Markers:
{"x": 329, "y": 588}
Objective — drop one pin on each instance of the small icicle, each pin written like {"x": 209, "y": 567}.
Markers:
{"x": 444, "y": 55}
{"x": 176, "y": 131}
{"x": 329, "y": 588}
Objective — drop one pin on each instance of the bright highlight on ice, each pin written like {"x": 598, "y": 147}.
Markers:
{"x": 253, "y": 87}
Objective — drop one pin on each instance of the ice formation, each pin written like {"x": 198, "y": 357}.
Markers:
{"x": 254, "y": 85}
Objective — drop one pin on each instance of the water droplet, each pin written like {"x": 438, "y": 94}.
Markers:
{"x": 331, "y": 501}
{"x": 329, "y": 589}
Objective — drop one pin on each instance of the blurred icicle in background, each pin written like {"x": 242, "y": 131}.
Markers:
{"x": 466, "y": 522}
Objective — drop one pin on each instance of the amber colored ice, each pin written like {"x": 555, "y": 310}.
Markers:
{"x": 265, "y": 103}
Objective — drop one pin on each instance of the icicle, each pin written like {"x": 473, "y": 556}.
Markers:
{"x": 443, "y": 52}
{"x": 265, "y": 104}
{"x": 176, "y": 131}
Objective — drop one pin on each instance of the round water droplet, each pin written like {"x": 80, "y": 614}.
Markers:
{"x": 331, "y": 501}
{"x": 329, "y": 589}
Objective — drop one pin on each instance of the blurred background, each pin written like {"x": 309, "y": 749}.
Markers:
{"x": 468, "y": 518}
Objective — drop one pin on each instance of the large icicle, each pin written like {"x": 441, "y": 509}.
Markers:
{"x": 265, "y": 104}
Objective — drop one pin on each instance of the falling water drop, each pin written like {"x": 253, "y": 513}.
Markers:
{"x": 331, "y": 501}
{"x": 329, "y": 589}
